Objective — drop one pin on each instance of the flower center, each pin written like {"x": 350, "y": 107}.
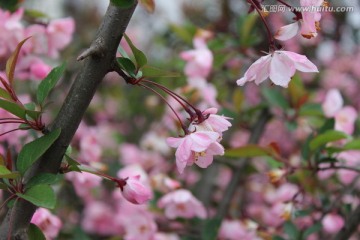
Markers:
{"x": 199, "y": 154}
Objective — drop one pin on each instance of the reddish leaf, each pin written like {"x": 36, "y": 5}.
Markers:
{"x": 11, "y": 62}
{"x": 149, "y": 5}
{"x": 275, "y": 147}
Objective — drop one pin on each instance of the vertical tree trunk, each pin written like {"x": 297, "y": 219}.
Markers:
{"x": 97, "y": 63}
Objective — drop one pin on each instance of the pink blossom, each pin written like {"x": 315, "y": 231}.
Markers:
{"x": 84, "y": 183}
{"x": 282, "y": 194}
{"x": 214, "y": 122}
{"x": 308, "y": 25}
{"x": 148, "y": 160}
{"x": 279, "y": 66}
{"x": 207, "y": 90}
{"x": 166, "y": 236}
{"x": 49, "y": 224}
{"x": 12, "y": 31}
{"x": 163, "y": 183}
{"x": 90, "y": 149}
{"x": 181, "y": 203}
{"x": 310, "y": 19}
{"x": 287, "y": 32}
{"x": 134, "y": 191}
{"x": 332, "y": 223}
{"x": 59, "y": 34}
{"x": 198, "y": 147}
{"x": 345, "y": 119}
{"x": 333, "y": 102}
{"x": 140, "y": 225}
{"x": 199, "y": 60}
{"x": 349, "y": 159}
{"x": 99, "y": 218}
{"x": 38, "y": 42}
{"x": 235, "y": 230}
{"x": 39, "y": 70}
{"x": 31, "y": 67}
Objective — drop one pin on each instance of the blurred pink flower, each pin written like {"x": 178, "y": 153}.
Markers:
{"x": 333, "y": 102}
{"x": 39, "y": 70}
{"x": 38, "y": 42}
{"x": 31, "y": 67}
{"x": 181, "y": 203}
{"x": 166, "y": 236}
{"x": 139, "y": 225}
{"x": 164, "y": 183}
{"x": 59, "y": 34}
{"x": 135, "y": 191}
{"x": 279, "y": 66}
{"x": 99, "y": 217}
{"x": 199, "y": 60}
{"x": 349, "y": 159}
{"x": 49, "y": 224}
{"x": 235, "y": 230}
{"x": 84, "y": 183}
{"x": 332, "y": 223}
{"x": 345, "y": 119}
{"x": 90, "y": 148}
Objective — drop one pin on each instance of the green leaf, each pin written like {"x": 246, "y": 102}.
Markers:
{"x": 30, "y": 111}
{"x": 9, "y": 4}
{"x": 32, "y": 13}
{"x": 328, "y": 125}
{"x": 313, "y": 229}
{"x": 122, "y": 52}
{"x": 140, "y": 57}
{"x": 73, "y": 164}
{"x": 211, "y": 228}
{"x": 40, "y": 195}
{"x": 275, "y": 98}
{"x": 42, "y": 178}
{"x": 6, "y": 173}
{"x": 11, "y": 62}
{"x": 123, "y": 3}
{"x": 277, "y": 238}
{"x": 3, "y": 186}
{"x": 34, "y": 150}
{"x": 311, "y": 109}
{"x": 246, "y": 28}
{"x": 35, "y": 233}
{"x": 149, "y": 71}
{"x": 13, "y": 108}
{"x": 4, "y": 94}
{"x": 49, "y": 83}
{"x": 352, "y": 145}
{"x": 291, "y": 230}
{"x": 127, "y": 65}
{"x": 326, "y": 137}
{"x": 250, "y": 150}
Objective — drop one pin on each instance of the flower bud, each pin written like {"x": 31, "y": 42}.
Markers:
{"x": 134, "y": 191}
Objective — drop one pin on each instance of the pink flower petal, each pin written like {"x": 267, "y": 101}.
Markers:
{"x": 287, "y": 32}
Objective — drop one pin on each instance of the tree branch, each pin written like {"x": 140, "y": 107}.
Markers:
{"x": 256, "y": 133}
{"x": 97, "y": 62}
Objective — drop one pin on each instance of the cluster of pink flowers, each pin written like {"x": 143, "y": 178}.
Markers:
{"x": 150, "y": 202}
{"x": 46, "y": 41}
{"x": 345, "y": 116}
